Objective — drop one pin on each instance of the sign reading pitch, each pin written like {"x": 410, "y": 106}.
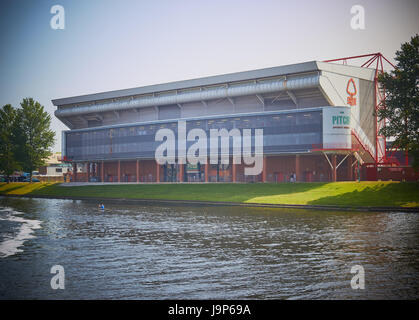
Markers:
{"x": 336, "y": 128}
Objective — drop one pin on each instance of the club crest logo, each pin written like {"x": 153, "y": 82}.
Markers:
{"x": 351, "y": 90}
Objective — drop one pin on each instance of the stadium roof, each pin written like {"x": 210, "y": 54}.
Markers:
{"x": 298, "y": 68}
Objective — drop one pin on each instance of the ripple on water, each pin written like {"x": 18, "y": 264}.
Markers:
{"x": 151, "y": 252}
{"x": 13, "y": 238}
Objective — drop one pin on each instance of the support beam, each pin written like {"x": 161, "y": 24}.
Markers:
{"x": 293, "y": 97}
{"x": 231, "y": 101}
{"x": 205, "y": 105}
{"x": 137, "y": 174}
{"x": 87, "y": 171}
{"x": 74, "y": 171}
{"x": 358, "y": 158}
{"x": 207, "y": 171}
{"x": 180, "y": 109}
{"x": 327, "y": 158}
{"x": 334, "y": 169}
{"x": 181, "y": 172}
{"x": 234, "y": 173}
{"x": 342, "y": 161}
{"x": 277, "y": 97}
{"x": 332, "y": 165}
{"x": 354, "y": 163}
{"x": 102, "y": 171}
{"x": 119, "y": 170}
{"x": 67, "y": 122}
{"x": 83, "y": 120}
{"x": 262, "y": 100}
{"x": 157, "y": 172}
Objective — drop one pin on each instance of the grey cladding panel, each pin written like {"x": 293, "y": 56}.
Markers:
{"x": 169, "y": 112}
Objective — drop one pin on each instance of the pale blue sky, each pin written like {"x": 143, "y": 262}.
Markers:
{"x": 109, "y": 45}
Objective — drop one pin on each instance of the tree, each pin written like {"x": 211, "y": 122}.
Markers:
{"x": 8, "y": 163}
{"x": 402, "y": 99}
{"x": 33, "y": 135}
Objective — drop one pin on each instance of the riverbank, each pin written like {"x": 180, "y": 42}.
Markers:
{"x": 348, "y": 195}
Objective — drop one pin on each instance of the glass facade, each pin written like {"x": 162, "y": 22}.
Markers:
{"x": 283, "y": 132}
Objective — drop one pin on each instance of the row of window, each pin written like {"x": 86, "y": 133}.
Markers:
{"x": 282, "y": 122}
{"x": 94, "y": 140}
{"x": 272, "y": 143}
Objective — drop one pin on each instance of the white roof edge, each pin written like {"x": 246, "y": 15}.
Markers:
{"x": 347, "y": 70}
{"x": 184, "y": 84}
{"x": 362, "y": 73}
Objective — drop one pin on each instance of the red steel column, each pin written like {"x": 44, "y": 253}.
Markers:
{"x": 75, "y": 172}
{"x": 119, "y": 170}
{"x": 138, "y": 171}
{"x": 157, "y": 172}
{"x": 297, "y": 168}
{"x": 181, "y": 172}
{"x": 102, "y": 170}
{"x": 88, "y": 172}
{"x": 234, "y": 172}
{"x": 264, "y": 170}
{"x": 206, "y": 171}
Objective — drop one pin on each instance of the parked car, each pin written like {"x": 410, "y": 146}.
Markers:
{"x": 29, "y": 180}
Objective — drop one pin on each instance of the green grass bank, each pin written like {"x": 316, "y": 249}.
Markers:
{"x": 342, "y": 194}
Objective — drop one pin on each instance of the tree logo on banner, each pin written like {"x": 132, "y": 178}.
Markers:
{"x": 351, "y": 90}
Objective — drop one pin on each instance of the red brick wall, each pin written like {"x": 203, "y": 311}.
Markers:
{"x": 312, "y": 168}
{"x": 111, "y": 171}
{"x": 128, "y": 171}
{"x": 394, "y": 174}
{"x": 148, "y": 171}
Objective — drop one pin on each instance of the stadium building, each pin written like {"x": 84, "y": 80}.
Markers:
{"x": 318, "y": 121}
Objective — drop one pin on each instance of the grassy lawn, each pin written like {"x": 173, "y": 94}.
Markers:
{"x": 348, "y": 194}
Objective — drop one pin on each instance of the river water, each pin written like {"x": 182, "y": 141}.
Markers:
{"x": 198, "y": 252}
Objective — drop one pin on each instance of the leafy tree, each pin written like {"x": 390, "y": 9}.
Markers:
{"x": 402, "y": 99}
{"x": 8, "y": 163}
{"x": 33, "y": 135}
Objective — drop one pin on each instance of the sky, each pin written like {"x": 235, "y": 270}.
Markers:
{"x": 109, "y": 45}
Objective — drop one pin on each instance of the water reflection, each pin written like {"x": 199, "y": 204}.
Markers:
{"x": 159, "y": 252}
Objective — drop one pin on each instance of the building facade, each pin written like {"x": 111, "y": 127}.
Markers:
{"x": 317, "y": 118}
{"x": 54, "y": 166}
